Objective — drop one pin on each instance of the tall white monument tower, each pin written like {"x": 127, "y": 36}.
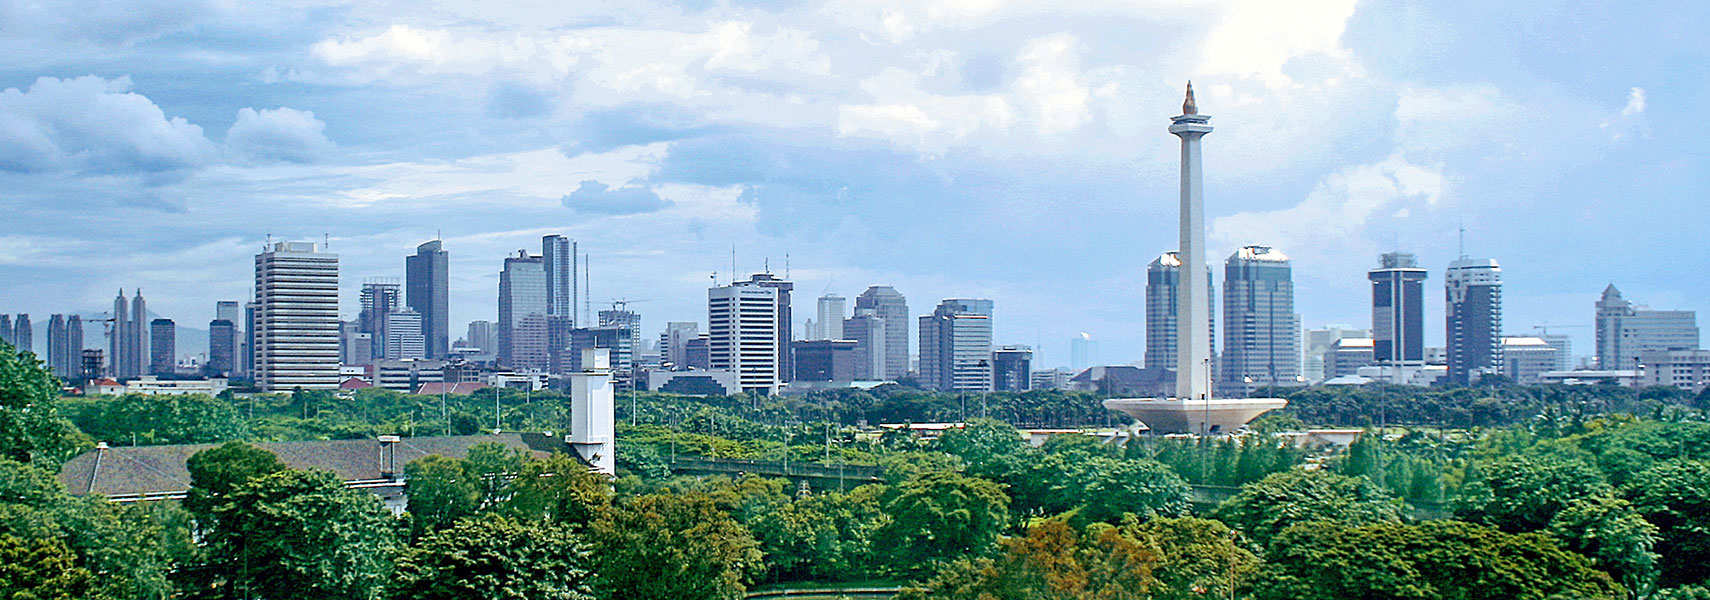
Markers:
{"x": 592, "y": 415}
{"x": 1193, "y": 410}
{"x": 1193, "y": 298}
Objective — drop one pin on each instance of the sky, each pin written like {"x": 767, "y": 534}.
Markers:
{"x": 1008, "y": 149}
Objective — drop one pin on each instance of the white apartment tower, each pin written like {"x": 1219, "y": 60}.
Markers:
{"x": 296, "y": 318}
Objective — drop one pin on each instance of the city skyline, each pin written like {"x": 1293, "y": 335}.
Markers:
{"x": 866, "y": 153}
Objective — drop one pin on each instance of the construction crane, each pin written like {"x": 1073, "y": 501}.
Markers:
{"x": 1545, "y": 328}
{"x": 623, "y": 303}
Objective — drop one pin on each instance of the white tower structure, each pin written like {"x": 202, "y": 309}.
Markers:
{"x": 1193, "y": 297}
{"x": 1193, "y": 410}
{"x": 592, "y": 416}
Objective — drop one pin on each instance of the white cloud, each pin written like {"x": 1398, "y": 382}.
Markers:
{"x": 94, "y": 125}
{"x": 1331, "y": 227}
{"x": 278, "y": 134}
{"x": 1631, "y": 122}
{"x": 1258, "y": 38}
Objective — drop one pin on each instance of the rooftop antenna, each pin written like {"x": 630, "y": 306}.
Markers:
{"x": 1463, "y": 239}
{"x": 766, "y": 265}
{"x": 326, "y": 241}
{"x": 587, "y": 293}
{"x": 786, "y": 266}
{"x": 733, "y": 264}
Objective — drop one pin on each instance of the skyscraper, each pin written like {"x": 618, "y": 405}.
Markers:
{"x": 623, "y": 354}
{"x": 956, "y": 346}
{"x": 483, "y": 335}
{"x": 1624, "y": 330}
{"x": 296, "y": 327}
{"x": 127, "y": 341}
{"x": 674, "y": 344}
{"x": 832, "y": 310}
{"x": 1473, "y": 320}
{"x": 868, "y": 331}
{"x": 6, "y": 327}
{"x": 743, "y": 334}
{"x": 65, "y": 346}
{"x": 23, "y": 333}
{"x": 558, "y": 256}
{"x": 1163, "y": 291}
{"x": 1083, "y": 351}
{"x": 523, "y": 306}
{"x": 1398, "y": 310}
{"x": 222, "y": 348}
{"x": 163, "y": 349}
{"x": 427, "y": 291}
{"x": 1261, "y": 332}
{"x": 786, "y": 321}
{"x": 885, "y": 303}
{"x": 404, "y": 339}
{"x": 1012, "y": 369}
{"x": 380, "y": 297}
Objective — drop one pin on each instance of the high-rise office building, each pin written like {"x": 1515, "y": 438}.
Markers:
{"x": 697, "y": 354}
{"x": 296, "y": 318}
{"x": 886, "y": 303}
{"x": 1317, "y": 345}
{"x": 522, "y": 328}
{"x": 745, "y": 332}
{"x": 94, "y": 364}
{"x": 229, "y": 311}
{"x": 868, "y": 330}
{"x": 1473, "y": 320}
{"x": 222, "y": 348}
{"x": 381, "y": 296}
{"x": 558, "y": 259}
{"x": 1624, "y": 330}
{"x": 1563, "y": 345}
{"x": 674, "y": 343}
{"x": 1163, "y": 283}
{"x": 128, "y": 338}
{"x": 404, "y": 338}
{"x": 1012, "y": 369}
{"x": 786, "y": 321}
{"x": 6, "y": 328}
{"x": 163, "y": 347}
{"x": 832, "y": 310}
{"x": 956, "y": 346}
{"x": 246, "y": 351}
{"x": 427, "y": 291}
{"x": 65, "y": 346}
{"x": 23, "y": 333}
{"x": 824, "y": 360}
{"x": 355, "y": 346}
{"x": 1398, "y": 310}
{"x": 624, "y": 353}
{"x": 483, "y": 335}
{"x": 1261, "y": 332}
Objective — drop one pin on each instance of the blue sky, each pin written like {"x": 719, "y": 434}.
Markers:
{"x": 1009, "y": 149}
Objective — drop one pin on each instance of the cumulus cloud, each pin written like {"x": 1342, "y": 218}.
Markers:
{"x": 278, "y": 135}
{"x": 1335, "y": 218}
{"x": 94, "y": 125}
{"x": 1631, "y": 121}
{"x": 593, "y": 197}
{"x": 514, "y": 100}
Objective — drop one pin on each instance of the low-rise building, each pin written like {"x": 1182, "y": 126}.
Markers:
{"x": 1684, "y": 369}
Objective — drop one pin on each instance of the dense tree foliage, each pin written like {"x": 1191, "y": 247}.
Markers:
{"x": 30, "y": 426}
{"x": 940, "y": 516}
{"x": 41, "y": 569}
{"x": 495, "y": 558}
{"x": 302, "y": 534}
{"x": 1052, "y": 560}
{"x": 146, "y": 420}
{"x": 1265, "y": 508}
{"x": 677, "y": 546}
{"x": 1324, "y": 560}
{"x": 441, "y": 491}
{"x": 1675, "y": 497}
{"x": 216, "y": 473}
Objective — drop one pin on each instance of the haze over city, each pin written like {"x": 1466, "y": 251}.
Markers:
{"x": 1007, "y": 150}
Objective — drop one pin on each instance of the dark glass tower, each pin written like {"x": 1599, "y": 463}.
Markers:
{"x": 1398, "y": 310}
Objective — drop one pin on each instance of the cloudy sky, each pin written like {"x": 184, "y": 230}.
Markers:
{"x": 1008, "y": 149}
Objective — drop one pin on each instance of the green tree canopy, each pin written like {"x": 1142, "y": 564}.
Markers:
{"x": 493, "y": 557}
{"x": 1434, "y": 560}
{"x": 940, "y": 516}
{"x": 1053, "y": 561}
{"x": 216, "y": 472}
{"x": 559, "y": 489}
{"x": 1264, "y": 508}
{"x": 678, "y": 546}
{"x": 441, "y": 491}
{"x": 1144, "y": 488}
{"x": 1197, "y": 558}
{"x": 30, "y": 426}
{"x": 1523, "y": 493}
{"x": 41, "y": 569}
{"x": 1675, "y": 496}
{"x": 302, "y": 534}
{"x": 170, "y": 419}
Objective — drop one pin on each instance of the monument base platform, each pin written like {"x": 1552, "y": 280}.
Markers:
{"x": 1218, "y": 416}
